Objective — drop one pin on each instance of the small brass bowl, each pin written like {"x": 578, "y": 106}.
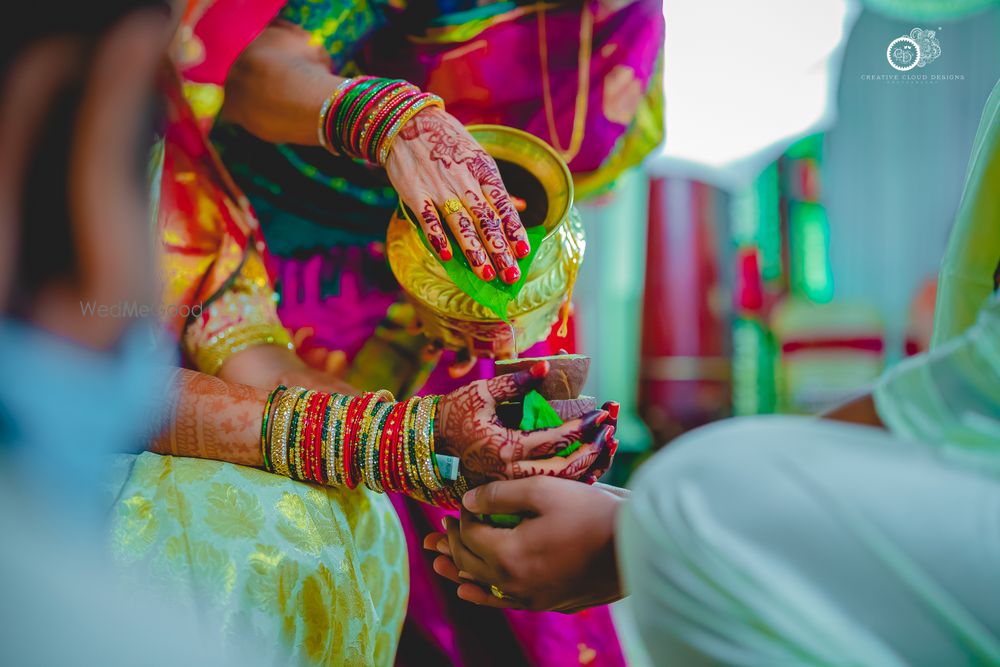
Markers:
{"x": 533, "y": 171}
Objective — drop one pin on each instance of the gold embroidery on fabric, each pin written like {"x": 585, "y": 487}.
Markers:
{"x": 322, "y": 580}
{"x": 233, "y": 513}
{"x": 136, "y": 529}
{"x": 297, "y": 526}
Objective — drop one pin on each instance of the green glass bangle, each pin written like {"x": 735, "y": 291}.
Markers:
{"x": 264, "y": 449}
{"x": 345, "y": 104}
{"x": 293, "y": 430}
{"x": 379, "y": 133}
{"x": 352, "y": 119}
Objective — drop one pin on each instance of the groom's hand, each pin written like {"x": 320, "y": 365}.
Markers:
{"x": 561, "y": 557}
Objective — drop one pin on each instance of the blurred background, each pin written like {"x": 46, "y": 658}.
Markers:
{"x": 781, "y": 248}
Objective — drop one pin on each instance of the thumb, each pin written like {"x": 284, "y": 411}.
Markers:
{"x": 515, "y": 385}
{"x": 515, "y": 496}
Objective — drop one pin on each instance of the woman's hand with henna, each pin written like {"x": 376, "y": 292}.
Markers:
{"x": 444, "y": 176}
{"x": 467, "y": 426}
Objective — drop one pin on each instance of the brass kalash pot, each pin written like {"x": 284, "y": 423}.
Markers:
{"x": 533, "y": 171}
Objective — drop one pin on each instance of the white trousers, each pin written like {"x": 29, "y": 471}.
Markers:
{"x": 778, "y": 541}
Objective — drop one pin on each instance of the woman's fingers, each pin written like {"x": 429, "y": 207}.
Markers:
{"x": 430, "y": 222}
{"x": 573, "y": 466}
{"x": 484, "y": 169}
{"x": 492, "y": 235}
{"x": 515, "y": 385}
{"x": 464, "y": 230}
{"x": 546, "y": 442}
{"x": 497, "y": 196}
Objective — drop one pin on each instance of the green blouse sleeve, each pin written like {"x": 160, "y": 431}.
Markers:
{"x": 950, "y": 396}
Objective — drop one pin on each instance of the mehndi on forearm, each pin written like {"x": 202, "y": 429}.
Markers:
{"x": 313, "y": 436}
{"x": 212, "y": 419}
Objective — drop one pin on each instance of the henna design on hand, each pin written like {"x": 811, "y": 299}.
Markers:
{"x": 467, "y": 426}
{"x": 467, "y": 232}
{"x": 432, "y": 229}
{"x": 448, "y": 146}
{"x": 484, "y": 170}
{"x": 429, "y": 152}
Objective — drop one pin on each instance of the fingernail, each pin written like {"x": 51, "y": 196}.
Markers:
{"x": 444, "y": 522}
{"x": 446, "y": 254}
{"x": 519, "y": 204}
{"x": 601, "y": 418}
{"x": 488, "y": 273}
{"x": 522, "y": 249}
{"x": 465, "y": 575}
{"x": 469, "y": 499}
{"x": 511, "y": 275}
{"x": 443, "y": 548}
{"x": 540, "y": 369}
{"x": 611, "y": 431}
{"x": 613, "y": 410}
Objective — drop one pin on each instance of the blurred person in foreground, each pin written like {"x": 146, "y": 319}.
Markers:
{"x": 76, "y": 83}
{"x": 870, "y": 537}
{"x": 309, "y": 572}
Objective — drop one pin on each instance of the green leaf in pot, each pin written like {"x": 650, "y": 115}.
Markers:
{"x": 537, "y": 414}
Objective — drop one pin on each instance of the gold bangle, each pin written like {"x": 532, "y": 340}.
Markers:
{"x": 296, "y": 454}
{"x": 210, "y": 357}
{"x": 279, "y": 432}
{"x": 393, "y": 132}
{"x": 324, "y": 111}
{"x": 374, "y": 448}
{"x": 334, "y": 440}
{"x": 364, "y": 436}
{"x": 423, "y": 423}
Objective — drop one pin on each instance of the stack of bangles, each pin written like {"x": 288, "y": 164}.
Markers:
{"x": 340, "y": 440}
{"x": 363, "y": 116}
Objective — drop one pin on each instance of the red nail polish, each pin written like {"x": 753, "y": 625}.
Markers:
{"x": 601, "y": 418}
{"x": 540, "y": 369}
{"x": 511, "y": 275}
{"x": 613, "y": 409}
{"x": 488, "y": 273}
{"x": 521, "y": 249}
{"x": 446, "y": 254}
{"x": 611, "y": 431}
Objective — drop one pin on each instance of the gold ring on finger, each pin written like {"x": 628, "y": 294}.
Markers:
{"x": 497, "y": 593}
{"x": 452, "y": 206}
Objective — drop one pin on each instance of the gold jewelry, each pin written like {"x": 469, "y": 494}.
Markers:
{"x": 497, "y": 593}
{"x": 279, "y": 431}
{"x": 582, "y": 84}
{"x": 453, "y": 206}
{"x": 424, "y": 445}
{"x": 335, "y": 440}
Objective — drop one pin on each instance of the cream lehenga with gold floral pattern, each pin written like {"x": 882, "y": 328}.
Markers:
{"x": 315, "y": 575}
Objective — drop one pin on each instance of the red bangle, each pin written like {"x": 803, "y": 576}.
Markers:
{"x": 352, "y": 465}
{"x": 390, "y": 443}
{"x": 337, "y": 141}
{"x": 321, "y": 408}
{"x": 380, "y": 98}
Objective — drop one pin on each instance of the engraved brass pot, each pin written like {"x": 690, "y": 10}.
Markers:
{"x": 533, "y": 171}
